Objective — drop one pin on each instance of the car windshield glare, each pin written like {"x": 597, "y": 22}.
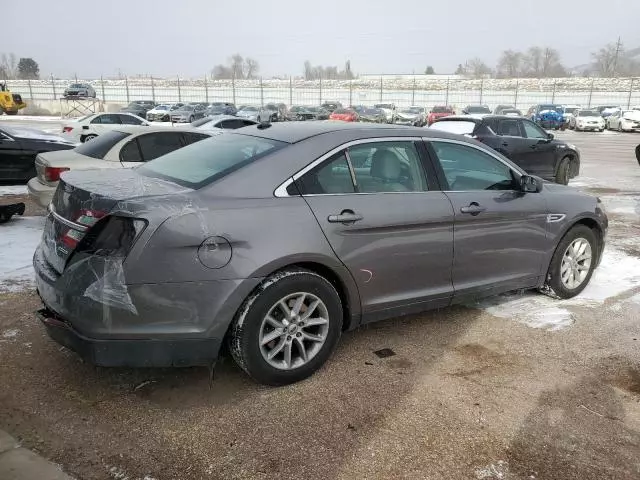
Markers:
{"x": 206, "y": 161}
{"x": 588, "y": 113}
{"x": 461, "y": 127}
{"x": 476, "y": 109}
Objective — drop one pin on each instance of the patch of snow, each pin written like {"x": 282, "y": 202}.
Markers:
{"x": 35, "y": 118}
{"x": 609, "y": 132}
{"x": 13, "y": 190}
{"x": 622, "y": 204}
{"x": 617, "y": 274}
{"x": 11, "y": 333}
{"x": 18, "y": 240}
{"x": 497, "y": 470}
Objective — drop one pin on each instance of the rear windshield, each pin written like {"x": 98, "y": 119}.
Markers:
{"x": 478, "y": 109}
{"x": 201, "y": 121}
{"x": 455, "y": 126}
{"x": 100, "y": 146}
{"x": 204, "y": 162}
{"x": 441, "y": 110}
{"x": 341, "y": 110}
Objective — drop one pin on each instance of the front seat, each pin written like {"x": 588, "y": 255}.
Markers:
{"x": 385, "y": 172}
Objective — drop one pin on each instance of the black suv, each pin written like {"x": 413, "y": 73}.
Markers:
{"x": 521, "y": 141}
{"x": 139, "y": 107}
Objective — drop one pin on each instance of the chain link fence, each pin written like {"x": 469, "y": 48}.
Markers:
{"x": 401, "y": 91}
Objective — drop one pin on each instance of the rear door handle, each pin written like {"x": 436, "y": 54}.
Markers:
{"x": 346, "y": 216}
{"x": 474, "y": 208}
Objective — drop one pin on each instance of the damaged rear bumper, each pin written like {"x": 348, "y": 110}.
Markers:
{"x": 130, "y": 353}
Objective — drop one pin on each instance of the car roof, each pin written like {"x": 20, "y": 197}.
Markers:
{"x": 294, "y": 132}
{"x": 153, "y": 129}
{"x": 474, "y": 118}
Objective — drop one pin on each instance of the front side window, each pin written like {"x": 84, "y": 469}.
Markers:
{"x": 467, "y": 168}
{"x": 107, "y": 119}
{"x": 130, "y": 120}
{"x": 534, "y": 131}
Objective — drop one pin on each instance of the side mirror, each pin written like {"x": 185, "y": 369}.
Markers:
{"x": 529, "y": 184}
{"x": 550, "y": 136}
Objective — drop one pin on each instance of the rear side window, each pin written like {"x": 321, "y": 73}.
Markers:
{"x": 461, "y": 127}
{"x": 108, "y": 119}
{"x": 191, "y": 137}
{"x": 131, "y": 152}
{"x": 130, "y": 120}
{"x": 509, "y": 128}
{"x": 100, "y": 146}
{"x": 209, "y": 160}
{"x": 154, "y": 145}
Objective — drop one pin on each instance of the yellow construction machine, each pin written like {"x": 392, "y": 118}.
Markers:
{"x": 10, "y": 103}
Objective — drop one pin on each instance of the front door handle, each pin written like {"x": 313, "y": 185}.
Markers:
{"x": 533, "y": 147}
{"x": 346, "y": 216}
{"x": 474, "y": 208}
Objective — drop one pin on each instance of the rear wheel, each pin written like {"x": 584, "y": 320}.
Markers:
{"x": 562, "y": 176}
{"x": 573, "y": 262}
{"x": 288, "y": 329}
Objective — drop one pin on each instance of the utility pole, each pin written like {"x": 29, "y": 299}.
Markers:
{"x": 615, "y": 58}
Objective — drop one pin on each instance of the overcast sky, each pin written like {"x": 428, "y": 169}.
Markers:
{"x": 189, "y": 37}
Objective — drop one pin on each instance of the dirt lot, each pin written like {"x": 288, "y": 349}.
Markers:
{"x": 520, "y": 387}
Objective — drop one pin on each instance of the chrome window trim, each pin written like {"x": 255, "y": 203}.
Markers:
{"x": 6, "y": 137}
{"x": 281, "y": 190}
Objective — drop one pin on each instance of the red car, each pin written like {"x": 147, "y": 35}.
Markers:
{"x": 344, "y": 114}
{"x": 439, "y": 111}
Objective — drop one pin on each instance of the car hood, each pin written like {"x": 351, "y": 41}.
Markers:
{"x": 154, "y": 111}
{"x": 408, "y": 115}
{"x": 247, "y": 114}
{"x": 598, "y": 117}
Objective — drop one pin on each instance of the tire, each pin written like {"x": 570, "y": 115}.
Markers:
{"x": 10, "y": 112}
{"x": 88, "y": 138}
{"x": 562, "y": 176}
{"x": 620, "y": 126}
{"x": 190, "y": 119}
{"x": 554, "y": 278}
{"x": 251, "y": 324}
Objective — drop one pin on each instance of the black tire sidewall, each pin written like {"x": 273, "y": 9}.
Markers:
{"x": 245, "y": 332}
{"x": 563, "y": 171}
{"x": 554, "y": 280}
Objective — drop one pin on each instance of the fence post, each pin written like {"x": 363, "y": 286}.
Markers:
{"x": 413, "y": 92}
{"x": 350, "y": 92}
{"x": 481, "y": 88}
{"x": 515, "y": 98}
{"x": 590, "y": 93}
{"x": 261, "y": 93}
{"x": 320, "y": 102}
{"x": 630, "y": 91}
{"x": 380, "y": 89}
{"x": 446, "y": 99}
{"x": 206, "y": 89}
{"x": 553, "y": 94}
{"x": 102, "y": 85}
{"x": 30, "y": 90}
{"x": 179, "y": 90}
{"x": 153, "y": 90}
{"x": 53, "y": 85}
{"x": 126, "y": 82}
{"x": 233, "y": 87}
{"x": 290, "y": 91}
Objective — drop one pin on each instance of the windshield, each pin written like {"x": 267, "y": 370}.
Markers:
{"x": 588, "y": 113}
{"x": 632, "y": 114}
{"x": 297, "y": 109}
{"x": 455, "y": 126}
{"x": 209, "y": 160}
{"x": 77, "y": 85}
{"x": 478, "y": 109}
{"x": 384, "y": 105}
{"x": 162, "y": 107}
{"x": 100, "y": 146}
{"x": 570, "y": 110}
{"x": 249, "y": 109}
{"x": 410, "y": 110}
{"x": 441, "y": 110}
{"x": 342, "y": 110}
{"x": 176, "y": 106}
{"x": 271, "y": 106}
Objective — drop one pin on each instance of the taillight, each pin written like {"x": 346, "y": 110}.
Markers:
{"x": 66, "y": 129}
{"x": 111, "y": 236}
{"x": 88, "y": 218}
{"x": 52, "y": 174}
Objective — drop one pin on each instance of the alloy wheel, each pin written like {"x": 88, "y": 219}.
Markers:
{"x": 294, "y": 330}
{"x": 576, "y": 263}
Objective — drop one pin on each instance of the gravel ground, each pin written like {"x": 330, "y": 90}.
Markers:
{"x": 467, "y": 395}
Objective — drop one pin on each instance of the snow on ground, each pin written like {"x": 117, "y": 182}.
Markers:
{"x": 13, "y": 190}
{"x": 618, "y": 273}
{"x": 34, "y": 118}
{"x": 628, "y": 205}
{"x": 18, "y": 240}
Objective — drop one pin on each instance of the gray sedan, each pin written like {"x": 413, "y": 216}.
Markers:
{"x": 277, "y": 238}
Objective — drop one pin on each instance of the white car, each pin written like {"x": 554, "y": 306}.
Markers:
{"x": 588, "y": 119}
{"x": 389, "y": 110}
{"x": 225, "y": 122}
{"x": 569, "y": 111}
{"x": 162, "y": 113}
{"x": 89, "y": 127}
{"x": 124, "y": 147}
{"x": 624, "y": 121}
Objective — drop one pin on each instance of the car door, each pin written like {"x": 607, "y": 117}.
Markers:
{"x": 508, "y": 139}
{"x": 130, "y": 120}
{"x": 499, "y": 230}
{"x": 387, "y": 222}
{"x": 15, "y": 162}
{"x": 149, "y": 147}
{"x": 102, "y": 123}
{"x": 538, "y": 156}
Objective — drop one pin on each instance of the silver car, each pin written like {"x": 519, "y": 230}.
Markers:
{"x": 276, "y": 238}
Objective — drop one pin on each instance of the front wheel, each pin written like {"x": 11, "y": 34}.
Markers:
{"x": 288, "y": 329}
{"x": 88, "y": 138}
{"x": 573, "y": 262}
{"x": 562, "y": 177}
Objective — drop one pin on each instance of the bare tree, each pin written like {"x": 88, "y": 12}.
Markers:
{"x": 9, "y": 65}
{"x": 533, "y": 62}
{"x": 251, "y": 67}
{"x": 237, "y": 65}
{"x": 477, "y": 68}
{"x": 222, "y": 72}
{"x": 551, "y": 66}
{"x": 605, "y": 59}
{"x": 510, "y": 64}
{"x": 308, "y": 70}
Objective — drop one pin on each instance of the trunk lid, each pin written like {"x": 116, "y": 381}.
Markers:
{"x": 83, "y": 198}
